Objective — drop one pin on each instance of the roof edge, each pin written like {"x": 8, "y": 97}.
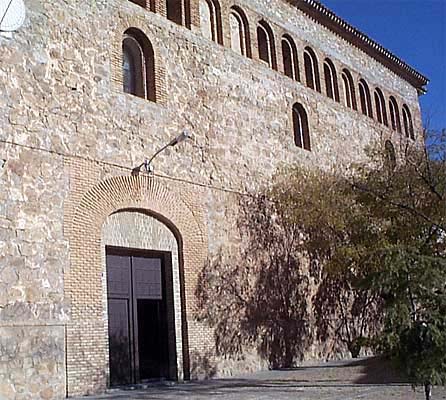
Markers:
{"x": 330, "y": 20}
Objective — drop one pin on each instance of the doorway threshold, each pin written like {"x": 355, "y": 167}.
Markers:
{"x": 146, "y": 384}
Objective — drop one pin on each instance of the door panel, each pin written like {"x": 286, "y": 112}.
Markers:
{"x": 153, "y": 360}
{"x": 153, "y": 352}
{"x": 119, "y": 337}
{"x": 118, "y": 276}
{"x": 148, "y": 278}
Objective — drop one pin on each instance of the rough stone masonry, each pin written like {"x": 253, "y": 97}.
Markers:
{"x": 70, "y": 137}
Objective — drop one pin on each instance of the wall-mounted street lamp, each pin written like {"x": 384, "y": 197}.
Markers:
{"x": 147, "y": 164}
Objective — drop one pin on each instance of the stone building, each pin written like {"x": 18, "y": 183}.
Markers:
{"x": 99, "y": 264}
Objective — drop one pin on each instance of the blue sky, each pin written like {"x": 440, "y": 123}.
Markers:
{"x": 414, "y": 30}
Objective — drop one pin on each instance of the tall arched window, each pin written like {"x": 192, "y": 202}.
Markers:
{"x": 365, "y": 98}
{"x": 380, "y": 106}
{"x": 239, "y": 28}
{"x": 408, "y": 125}
{"x": 331, "y": 80}
{"x": 174, "y": 10}
{"x": 138, "y": 65}
{"x": 210, "y": 20}
{"x": 267, "y": 49}
{"x": 394, "y": 114}
{"x": 289, "y": 54}
{"x": 349, "y": 89}
{"x": 300, "y": 127}
{"x": 311, "y": 69}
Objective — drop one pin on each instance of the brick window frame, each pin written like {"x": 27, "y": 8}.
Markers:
{"x": 116, "y": 57}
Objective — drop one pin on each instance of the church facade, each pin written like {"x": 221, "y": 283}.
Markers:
{"x": 99, "y": 256}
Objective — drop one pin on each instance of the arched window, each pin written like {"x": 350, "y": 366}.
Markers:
{"x": 311, "y": 69}
{"x": 138, "y": 65}
{"x": 365, "y": 98}
{"x": 210, "y": 20}
{"x": 380, "y": 106}
{"x": 300, "y": 127}
{"x": 331, "y": 80}
{"x": 289, "y": 54}
{"x": 239, "y": 28}
{"x": 349, "y": 89}
{"x": 390, "y": 155}
{"x": 141, "y": 3}
{"x": 394, "y": 114}
{"x": 267, "y": 49}
{"x": 174, "y": 10}
{"x": 408, "y": 125}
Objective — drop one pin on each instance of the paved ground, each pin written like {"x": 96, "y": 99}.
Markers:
{"x": 367, "y": 379}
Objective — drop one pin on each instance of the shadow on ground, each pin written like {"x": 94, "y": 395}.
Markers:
{"x": 365, "y": 371}
{"x": 349, "y": 378}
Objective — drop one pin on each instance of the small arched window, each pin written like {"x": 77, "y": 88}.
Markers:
{"x": 390, "y": 155}
{"x": 311, "y": 69}
{"x": 408, "y": 124}
{"x": 300, "y": 127}
{"x": 239, "y": 28}
{"x": 380, "y": 106}
{"x": 265, "y": 39}
{"x": 289, "y": 54}
{"x": 365, "y": 98}
{"x": 331, "y": 80}
{"x": 138, "y": 65}
{"x": 394, "y": 114}
{"x": 349, "y": 89}
{"x": 210, "y": 20}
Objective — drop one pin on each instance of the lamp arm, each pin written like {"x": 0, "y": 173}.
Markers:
{"x": 147, "y": 163}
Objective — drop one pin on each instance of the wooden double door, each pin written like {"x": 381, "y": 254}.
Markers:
{"x": 138, "y": 313}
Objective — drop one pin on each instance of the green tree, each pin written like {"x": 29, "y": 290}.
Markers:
{"x": 408, "y": 269}
{"x": 379, "y": 238}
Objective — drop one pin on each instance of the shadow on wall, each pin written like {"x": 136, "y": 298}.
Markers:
{"x": 259, "y": 298}
{"x": 270, "y": 297}
{"x": 350, "y": 316}
{"x": 202, "y": 366}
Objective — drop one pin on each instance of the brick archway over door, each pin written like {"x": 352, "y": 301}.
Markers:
{"x": 87, "y": 343}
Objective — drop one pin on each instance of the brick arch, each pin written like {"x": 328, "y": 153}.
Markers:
{"x": 87, "y": 340}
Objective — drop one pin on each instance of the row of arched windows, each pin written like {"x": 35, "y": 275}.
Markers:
{"x": 267, "y": 53}
{"x": 211, "y": 28}
{"x": 139, "y": 68}
{"x": 349, "y": 94}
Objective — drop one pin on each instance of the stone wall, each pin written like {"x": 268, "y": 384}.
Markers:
{"x": 66, "y": 127}
{"x": 33, "y": 255}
